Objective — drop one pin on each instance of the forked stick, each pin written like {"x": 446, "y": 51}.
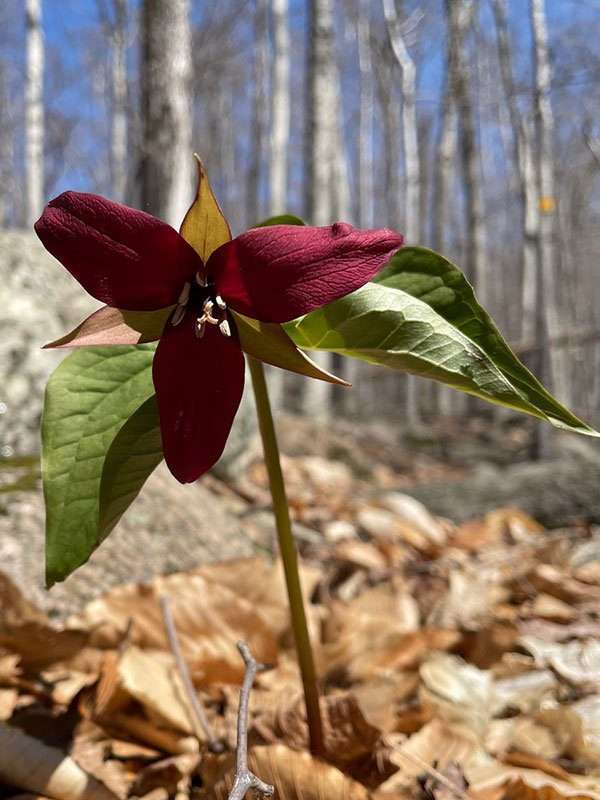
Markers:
{"x": 244, "y": 779}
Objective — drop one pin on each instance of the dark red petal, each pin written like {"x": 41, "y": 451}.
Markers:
{"x": 199, "y": 385}
{"x": 277, "y": 273}
{"x": 126, "y": 258}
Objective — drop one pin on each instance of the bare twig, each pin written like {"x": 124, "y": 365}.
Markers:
{"x": 200, "y": 721}
{"x": 244, "y": 779}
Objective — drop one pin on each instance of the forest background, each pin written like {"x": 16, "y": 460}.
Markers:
{"x": 469, "y": 125}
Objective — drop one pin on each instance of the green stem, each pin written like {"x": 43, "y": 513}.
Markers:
{"x": 289, "y": 556}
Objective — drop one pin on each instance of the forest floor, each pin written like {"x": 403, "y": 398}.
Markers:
{"x": 457, "y": 660}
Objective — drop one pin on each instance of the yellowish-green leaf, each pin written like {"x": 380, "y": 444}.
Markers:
{"x": 204, "y": 226}
{"x": 268, "y": 342}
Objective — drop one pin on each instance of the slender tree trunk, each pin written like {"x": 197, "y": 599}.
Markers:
{"x": 460, "y": 14}
{"x": 7, "y": 153}
{"x": 366, "y": 160}
{"x": 167, "y": 163}
{"x": 412, "y": 167}
{"x": 278, "y": 146}
{"x": 320, "y": 140}
{"x": 34, "y": 112}
{"x": 260, "y": 114}
{"x": 548, "y": 323}
{"x": 113, "y": 17}
{"x": 528, "y": 189}
{"x": 443, "y": 181}
{"x": 280, "y": 107}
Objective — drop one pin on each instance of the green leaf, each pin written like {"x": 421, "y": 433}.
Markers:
{"x": 134, "y": 454}
{"x": 388, "y": 326}
{"x": 436, "y": 281}
{"x": 88, "y": 399}
{"x": 281, "y": 219}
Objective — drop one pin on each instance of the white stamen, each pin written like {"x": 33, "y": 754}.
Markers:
{"x": 224, "y": 327}
{"x": 220, "y": 302}
{"x": 199, "y": 329}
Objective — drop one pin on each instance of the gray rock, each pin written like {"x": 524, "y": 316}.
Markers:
{"x": 40, "y": 301}
{"x": 168, "y": 528}
{"x": 557, "y": 492}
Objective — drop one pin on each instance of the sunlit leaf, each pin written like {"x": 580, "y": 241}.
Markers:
{"x": 89, "y": 397}
{"x": 436, "y": 281}
{"x": 388, "y": 326}
{"x": 281, "y": 219}
{"x": 204, "y": 226}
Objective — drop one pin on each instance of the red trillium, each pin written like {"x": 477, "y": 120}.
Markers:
{"x": 133, "y": 261}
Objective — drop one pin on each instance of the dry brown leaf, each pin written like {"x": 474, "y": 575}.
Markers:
{"x": 517, "y": 759}
{"x": 295, "y": 776}
{"x": 502, "y": 525}
{"x": 551, "y": 580}
{"x": 548, "y": 607}
{"x": 66, "y": 684}
{"x": 8, "y": 702}
{"x": 524, "y": 692}
{"x": 384, "y": 653}
{"x": 472, "y": 594}
{"x": 39, "y": 645}
{"x": 14, "y": 606}
{"x": 262, "y": 584}
{"x": 523, "y": 734}
{"x": 521, "y": 789}
{"x": 27, "y": 763}
{"x": 351, "y": 742}
{"x": 380, "y": 698}
{"x": 435, "y": 746}
{"x": 575, "y": 661}
{"x": 209, "y": 618}
{"x": 459, "y": 692}
{"x": 9, "y": 668}
{"x": 166, "y": 774}
{"x": 150, "y": 678}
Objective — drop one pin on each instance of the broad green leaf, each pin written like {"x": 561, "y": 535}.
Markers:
{"x": 204, "y": 226}
{"x": 281, "y": 219}
{"x": 270, "y": 343}
{"x": 438, "y": 282}
{"x": 109, "y": 326}
{"x": 391, "y": 327}
{"x": 134, "y": 454}
{"x": 88, "y": 398}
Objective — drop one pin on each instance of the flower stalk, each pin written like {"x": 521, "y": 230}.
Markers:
{"x": 289, "y": 556}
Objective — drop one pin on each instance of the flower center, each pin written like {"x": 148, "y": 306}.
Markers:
{"x": 201, "y": 297}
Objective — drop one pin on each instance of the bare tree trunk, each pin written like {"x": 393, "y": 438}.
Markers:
{"x": 260, "y": 113}
{"x": 443, "y": 180}
{"x": 118, "y": 133}
{"x": 34, "y": 112}
{"x": 460, "y": 14}
{"x": 114, "y": 22}
{"x": 7, "y": 154}
{"x": 412, "y": 167}
{"x": 366, "y": 215}
{"x": 547, "y": 314}
{"x": 167, "y": 163}
{"x": 280, "y": 107}
{"x": 320, "y": 142}
{"x": 528, "y": 190}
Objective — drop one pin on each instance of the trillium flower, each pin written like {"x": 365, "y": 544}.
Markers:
{"x": 134, "y": 262}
